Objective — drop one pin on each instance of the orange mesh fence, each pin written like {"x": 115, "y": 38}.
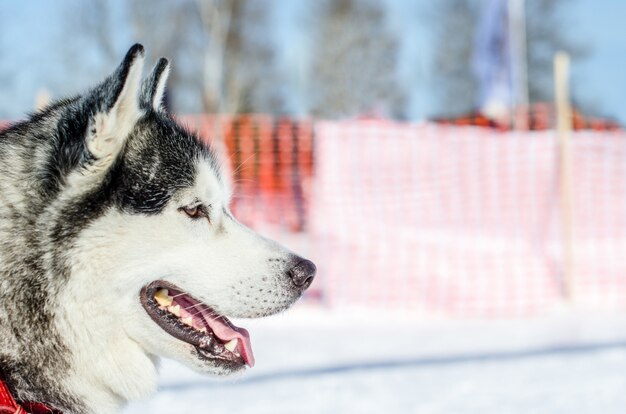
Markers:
{"x": 537, "y": 117}
{"x": 271, "y": 163}
{"x": 429, "y": 218}
{"x": 466, "y": 221}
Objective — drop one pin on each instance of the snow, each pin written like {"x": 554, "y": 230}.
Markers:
{"x": 311, "y": 360}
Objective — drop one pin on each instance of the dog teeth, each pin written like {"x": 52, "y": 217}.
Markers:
{"x": 163, "y": 298}
{"x": 231, "y": 345}
{"x": 203, "y": 330}
{"x": 174, "y": 310}
{"x": 187, "y": 321}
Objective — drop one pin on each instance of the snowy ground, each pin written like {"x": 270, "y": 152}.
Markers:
{"x": 313, "y": 361}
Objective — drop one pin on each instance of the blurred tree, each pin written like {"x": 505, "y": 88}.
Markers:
{"x": 226, "y": 58}
{"x": 108, "y": 28}
{"x": 216, "y": 45}
{"x": 455, "y": 31}
{"x": 353, "y": 61}
{"x": 225, "y": 86}
{"x": 546, "y": 34}
{"x": 456, "y": 88}
{"x": 177, "y": 43}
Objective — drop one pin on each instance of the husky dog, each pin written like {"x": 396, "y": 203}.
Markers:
{"x": 117, "y": 248}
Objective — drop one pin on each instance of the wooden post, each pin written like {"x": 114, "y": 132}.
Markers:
{"x": 564, "y": 129}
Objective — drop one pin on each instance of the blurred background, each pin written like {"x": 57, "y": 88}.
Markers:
{"x": 469, "y": 227}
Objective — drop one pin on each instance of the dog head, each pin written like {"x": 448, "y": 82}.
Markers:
{"x": 157, "y": 262}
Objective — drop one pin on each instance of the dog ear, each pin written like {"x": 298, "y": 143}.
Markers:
{"x": 117, "y": 108}
{"x": 153, "y": 87}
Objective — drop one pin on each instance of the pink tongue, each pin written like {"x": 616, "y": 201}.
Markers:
{"x": 226, "y": 331}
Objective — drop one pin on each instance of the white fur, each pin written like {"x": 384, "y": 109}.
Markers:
{"x": 157, "y": 101}
{"x": 116, "y": 343}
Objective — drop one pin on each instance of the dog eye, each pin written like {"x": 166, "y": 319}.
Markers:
{"x": 195, "y": 212}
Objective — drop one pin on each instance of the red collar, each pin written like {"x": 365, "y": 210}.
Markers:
{"x": 8, "y": 405}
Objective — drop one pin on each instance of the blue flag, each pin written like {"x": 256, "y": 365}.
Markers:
{"x": 492, "y": 60}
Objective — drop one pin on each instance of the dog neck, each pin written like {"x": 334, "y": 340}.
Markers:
{"x": 108, "y": 369}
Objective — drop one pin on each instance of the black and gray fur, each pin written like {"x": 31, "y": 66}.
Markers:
{"x": 36, "y": 158}
{"x": 93, "y": 201}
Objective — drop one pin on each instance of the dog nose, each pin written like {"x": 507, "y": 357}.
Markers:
{"x": 302, "y": 273}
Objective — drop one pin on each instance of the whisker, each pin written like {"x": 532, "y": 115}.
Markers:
{"x": 212, "y": 314}
{"x": 240, "y": 180}
{"x": 180, "y": 294}
{"x": 193, "y": 306}
{"x": 241, "y": 165}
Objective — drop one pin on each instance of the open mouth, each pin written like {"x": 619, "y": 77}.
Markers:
{"x": 191, "y": 321}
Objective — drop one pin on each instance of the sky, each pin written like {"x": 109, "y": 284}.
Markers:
{"x": 601, "y": 77}
{"x": 32, "y": 45}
